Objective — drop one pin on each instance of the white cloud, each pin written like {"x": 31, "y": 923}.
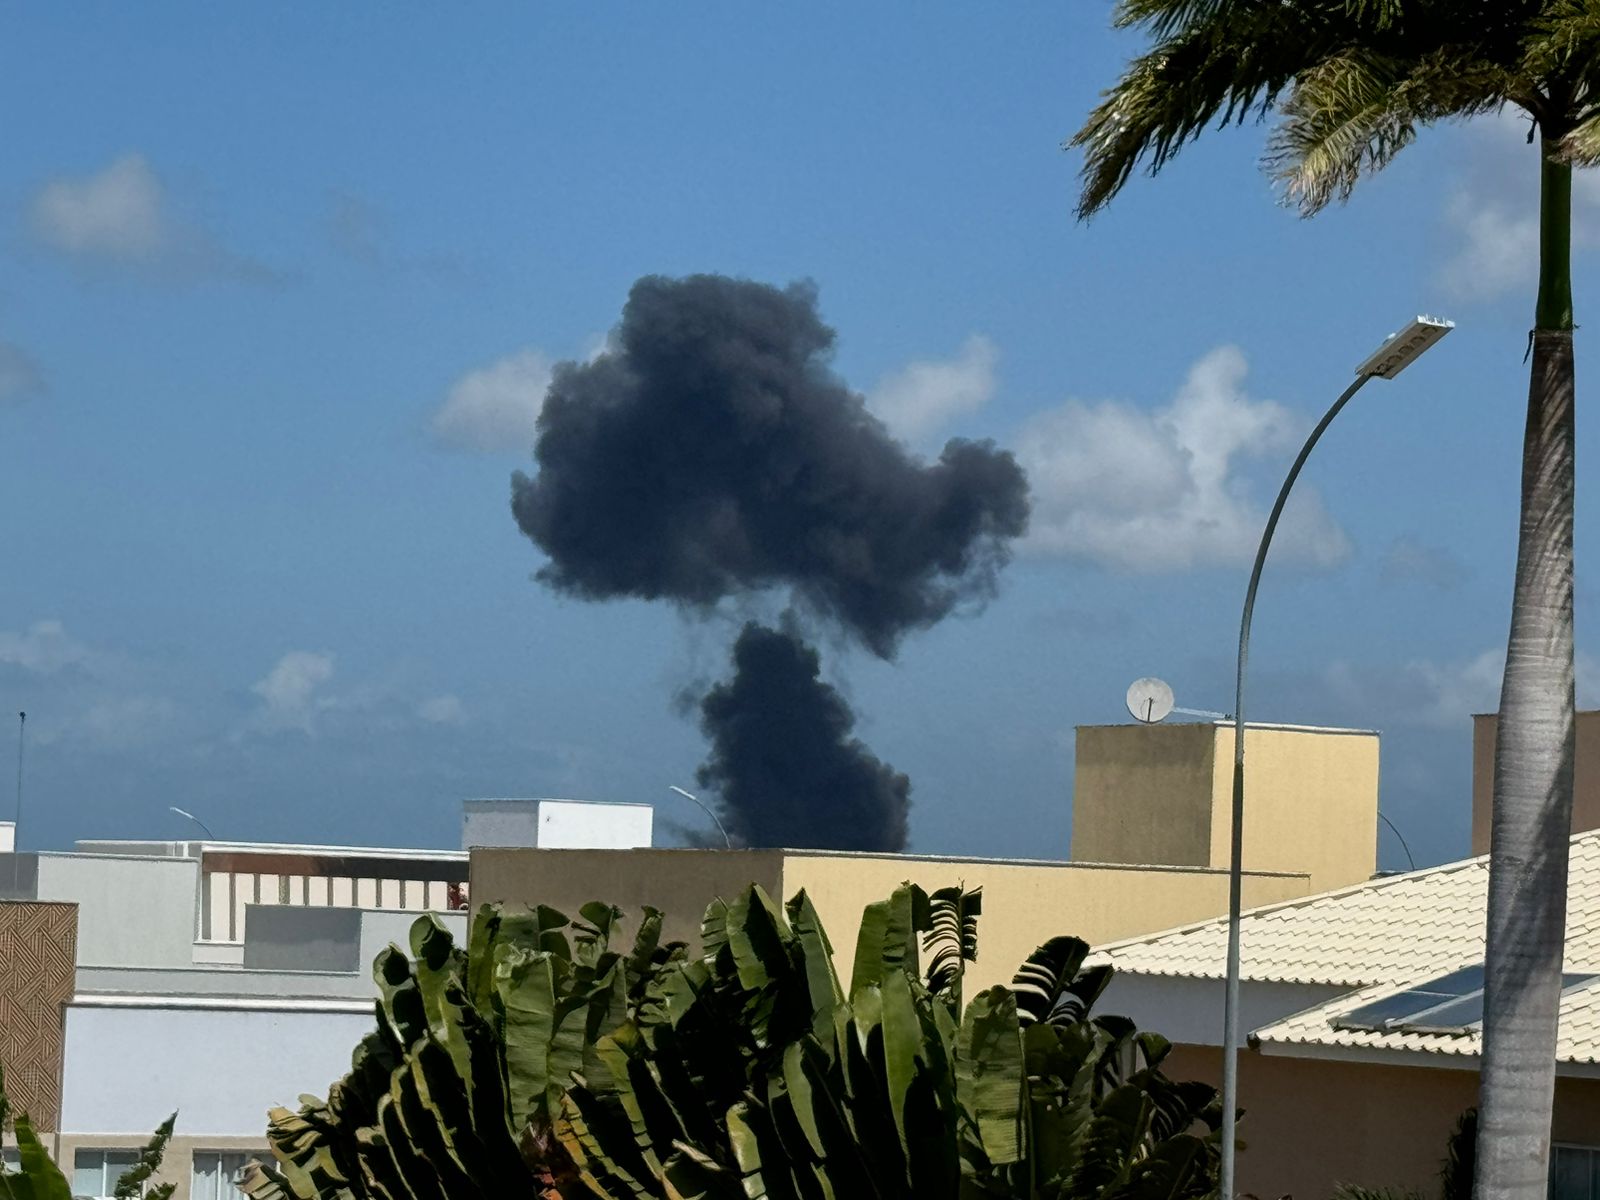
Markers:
{"x": 1439, "y": 695}
{"x": 495, "y": 409}
{"x": 122, "y": 216}
{"x": 1494, "y": 214}
{"x": 19, "y": 374}
{"x": 1159, "y": 490}
{"x": 924, "y": 396}
{"x": 116, "y": 213}
{"x": 289, "y": 691}
{"x": 442, "y": 710}
{"x": 42, "y": 649}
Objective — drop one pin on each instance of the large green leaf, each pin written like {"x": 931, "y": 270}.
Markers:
{"x": 992, "y": 1076}
{"x": 887, "y": 941}
{"x": 39, "y": 1178}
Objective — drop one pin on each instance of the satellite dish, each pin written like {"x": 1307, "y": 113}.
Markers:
{"x": 1149, "y": 700}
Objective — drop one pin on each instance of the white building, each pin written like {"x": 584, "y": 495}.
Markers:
{"x": 217, "y": 979}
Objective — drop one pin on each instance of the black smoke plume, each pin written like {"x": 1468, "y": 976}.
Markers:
{"x": 782, "y": 758}
{"x": 711, "y": 452}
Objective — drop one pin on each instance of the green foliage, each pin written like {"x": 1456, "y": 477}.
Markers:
{"x": 542, "y": 1062}
{"x": 1460, "y": 1159}
{"x": 133, "y": 1183}
{"x": 38, "y": 1178}
{"x": 1351, "y": 82}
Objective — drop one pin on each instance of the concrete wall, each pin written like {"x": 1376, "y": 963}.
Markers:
{"x": 1024, "y": 904}
{"x": 507, "y": 823}
{"x": 1585, "y": 776}
{"x": 1310, "y": 1124}
{"x": 678, "y": 882}
{"x": 131, "y": 911}
{"x": 1164, "y": 794}
{"x": 224, "y": 980}
{"x": 1189, "y": 1011}
{"x": 1311, "y": 803}
{"x": 381, "y": 928}
{"x": 285, "y": 937}
{"x": 555, "y": 824}
{"x": 128, "y": 1067}
{"x": 1142, "y": 794}
{"x": 573, "y": 825}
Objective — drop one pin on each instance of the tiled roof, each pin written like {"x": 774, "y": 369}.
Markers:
{"x": 1578, "y": 1041}
{"x": 1388, "y": 931}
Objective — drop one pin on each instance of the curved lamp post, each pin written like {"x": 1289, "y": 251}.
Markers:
{"x": 1397, "y": 353}
{"x": 705, "y": 808}
{"x": 187, "y": 815}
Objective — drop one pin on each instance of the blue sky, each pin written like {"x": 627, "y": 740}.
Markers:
{"x": 279, "y": 288}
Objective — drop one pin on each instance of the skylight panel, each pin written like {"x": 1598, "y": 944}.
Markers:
{"x": 1450, "y": 1004}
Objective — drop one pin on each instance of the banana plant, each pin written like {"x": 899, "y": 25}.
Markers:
{"x": 455, "y": 1092}
{"x": 542, "y": 1062}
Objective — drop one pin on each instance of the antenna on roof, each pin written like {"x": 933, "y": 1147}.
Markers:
{"x": 1150, "y": 702}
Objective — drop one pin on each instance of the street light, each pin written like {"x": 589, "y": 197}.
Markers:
{"x": 705, "y": 808}
{"x": 1397, "y": 353}
{"x": 185, "y": 813}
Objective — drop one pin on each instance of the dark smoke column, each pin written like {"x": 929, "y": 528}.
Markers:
{"x": 711, "y": 452}
{"x": 783, "y": 760}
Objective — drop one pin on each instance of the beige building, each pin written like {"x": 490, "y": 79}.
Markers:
{"x": 1363, "y": 1012}
{"x": 1585, "y": 776}
{"x": 1023, "y": 902}
{"x": 1150, "y": 836}
{"x": 1164, "y": 794}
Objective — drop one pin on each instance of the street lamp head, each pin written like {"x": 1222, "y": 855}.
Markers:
{"x": 1402, "y": 349}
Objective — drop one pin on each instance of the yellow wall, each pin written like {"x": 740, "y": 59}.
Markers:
{"x": 678, "y": 882}
{"x": 1311, "y": 802}
{"x": 1164, "y": 794}
{"x": 1142, "y": 794}
{"x": 1310, "y": 1124}
{"x": 1024, "y": 903}
{"x": 1585, "y": 776}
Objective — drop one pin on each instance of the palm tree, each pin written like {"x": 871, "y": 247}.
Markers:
{"x": 1351, "y": 82}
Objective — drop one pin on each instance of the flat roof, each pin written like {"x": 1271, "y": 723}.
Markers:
{"x": 1227, "y": 723}
{"x": 553, "y": 800}
{"x": 206, "y": 845}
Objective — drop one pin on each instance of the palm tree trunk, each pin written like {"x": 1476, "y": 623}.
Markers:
{"x": 1533, "y": 754}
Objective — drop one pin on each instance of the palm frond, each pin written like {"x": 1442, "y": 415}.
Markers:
{"x": 1341, "y": 120}
{"x": 1225, "y": 64}
{"x": 1354, "y": 80}
{"x": 1564, "y": 43}
{"x": 1350, "y": 115}
{"x": 1580, "y": 145}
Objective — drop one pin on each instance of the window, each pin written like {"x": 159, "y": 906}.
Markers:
{"x": 1574, "y": 1173}
{"x": 95, "y": 1172}
{"x": 215, "y": 1173}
